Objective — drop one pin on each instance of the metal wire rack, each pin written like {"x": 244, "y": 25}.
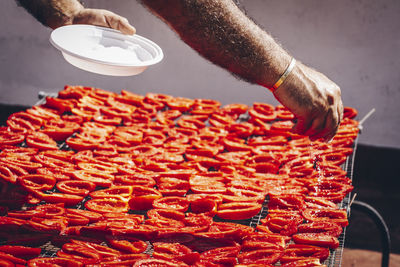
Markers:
{"x": 335, "y": 258}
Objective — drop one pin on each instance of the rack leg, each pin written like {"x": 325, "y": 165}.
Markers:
{"x": 385, "y": 236}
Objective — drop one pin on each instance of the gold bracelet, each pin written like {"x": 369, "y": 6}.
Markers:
{"x": 284, "y": 75}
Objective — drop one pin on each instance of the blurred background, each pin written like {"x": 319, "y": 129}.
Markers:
{"x": 354, "y": 42}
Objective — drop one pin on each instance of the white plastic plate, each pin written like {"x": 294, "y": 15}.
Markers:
{"x": 105, "y": 51}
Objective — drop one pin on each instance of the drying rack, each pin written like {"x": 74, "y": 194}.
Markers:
{"x": 335, "y": 257}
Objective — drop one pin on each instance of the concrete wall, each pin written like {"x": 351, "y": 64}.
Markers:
{"x": 354, "y": 42}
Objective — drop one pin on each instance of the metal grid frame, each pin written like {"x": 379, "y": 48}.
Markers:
{"x": 335, "y": 257}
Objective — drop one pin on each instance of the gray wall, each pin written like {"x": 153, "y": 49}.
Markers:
{"x": 354, "y": 42}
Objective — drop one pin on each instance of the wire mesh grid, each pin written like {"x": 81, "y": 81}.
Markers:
{"x": 335, "y": 257}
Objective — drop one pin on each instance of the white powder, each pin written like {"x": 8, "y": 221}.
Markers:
{"x": 115, "y": 54}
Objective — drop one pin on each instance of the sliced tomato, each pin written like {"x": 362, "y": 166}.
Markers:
{"x": 7, "y": 263}
{"x": 100, "y": 179}
{"x": 10, "y": 173}
{"x": 180, "y": 103}
{"x": 204, "y": 205}
{"x": 165, "y": 214}
{"x": 238, "y": 210}
{"x": 175, "y": 203}
{"x": 316, "y": 239}
{"x": 11, "y": 258}
{"x": 103, "y": 251}
{"x": 11, "y": 138}
{"x": 57, "y": 173}
{"x": 260, "y": 256}
{"x": 67, "y": 199}
{"x": 287, "y": 202}
{"x": 294, "y": 251}
{"x": 260, "y": 240}
{"x": 112, "y": 204}
{"x": 124, "y": 191}
{"x": 128, "y": 246}
{"x": 349, "y": 112}
{"x": 91, "y": 215}
{"x": 50, "y": 210}
{"x": 41, "y": 141}
{"x": 158, "y": 262}
{"x": 330, "y": 215}
{"x": 27, "y": 165}
{"x": 40, "y": 262}
{"x": 175, "y": 251}
{"x": 37, "y": 182}
{"x": 223, "y": 255}
{"x": 140, "y": 179}
{"x": 76, "y": 187}
{"x": 325, "y": 227}
{"x": 143, "y": 197}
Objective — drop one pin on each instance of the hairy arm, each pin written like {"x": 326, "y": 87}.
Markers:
{"x": 222, "y": 33}
{"x": 56, "y": 13}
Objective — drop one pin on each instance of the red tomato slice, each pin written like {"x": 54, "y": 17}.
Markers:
{"x": 175, "y": 203}
{"x": 11, "y": 258}
{"x": 294, "y": 251}
{"x": 7, "y": 263}
{"x": 106, "y": 205}
{"x": 37, "y": 182}
{"x": 334, "y": 216}
{"x": 100, "y": 179}
{"x": 165, "y": 214}
{"x": 143, "y": 197}
{"x": 140, "y": 179}
{"x": 128, "y": 246}
{"x": 222, "y": 255}
{"x": 76, "y": 187}
{"x": 175, "y": 251}
{"x": 204, "y": 205}
{"x": 349, "y": 112}
{"x": 11, "y": 138}
{"x": 180, "y": 103}
{"x": 287, "y": 202}
{"x": 91, "y": 215}
{"x": 124, "y": 191}
{"x": 238, "y": 210}
{"x": 158, "y": 262}
{"x": 40, "y": 262}
{"x": 10, "y": 173}
{"x": 260, "y": 256}
{"x": 41, "y": 141}
{"x": 67, "y": 199}
{"x": 316, "y": 239}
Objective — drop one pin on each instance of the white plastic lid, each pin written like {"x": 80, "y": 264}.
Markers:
{"x": 105, "y": 51}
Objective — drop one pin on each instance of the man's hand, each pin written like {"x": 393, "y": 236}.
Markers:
{"x": 57, "y": 13}
{"x": 105, "y": 18}
{"x": 314, "y": 99}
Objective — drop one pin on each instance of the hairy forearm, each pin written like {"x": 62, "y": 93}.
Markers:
{"x": 52, "y": 13}
{"x": 222, "y": 33}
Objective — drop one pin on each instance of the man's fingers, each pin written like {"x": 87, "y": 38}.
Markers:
{"x": 104, "y": 18}
{"x": 330, "y": 127}
{"x": 317, "y": 126}
{"x": 117, "y": 22}
{"x": 302, "y": 125}
{"x": 340, "y": 111}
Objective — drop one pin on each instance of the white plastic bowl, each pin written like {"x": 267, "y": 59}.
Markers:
{"x": 105, "y": 51}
